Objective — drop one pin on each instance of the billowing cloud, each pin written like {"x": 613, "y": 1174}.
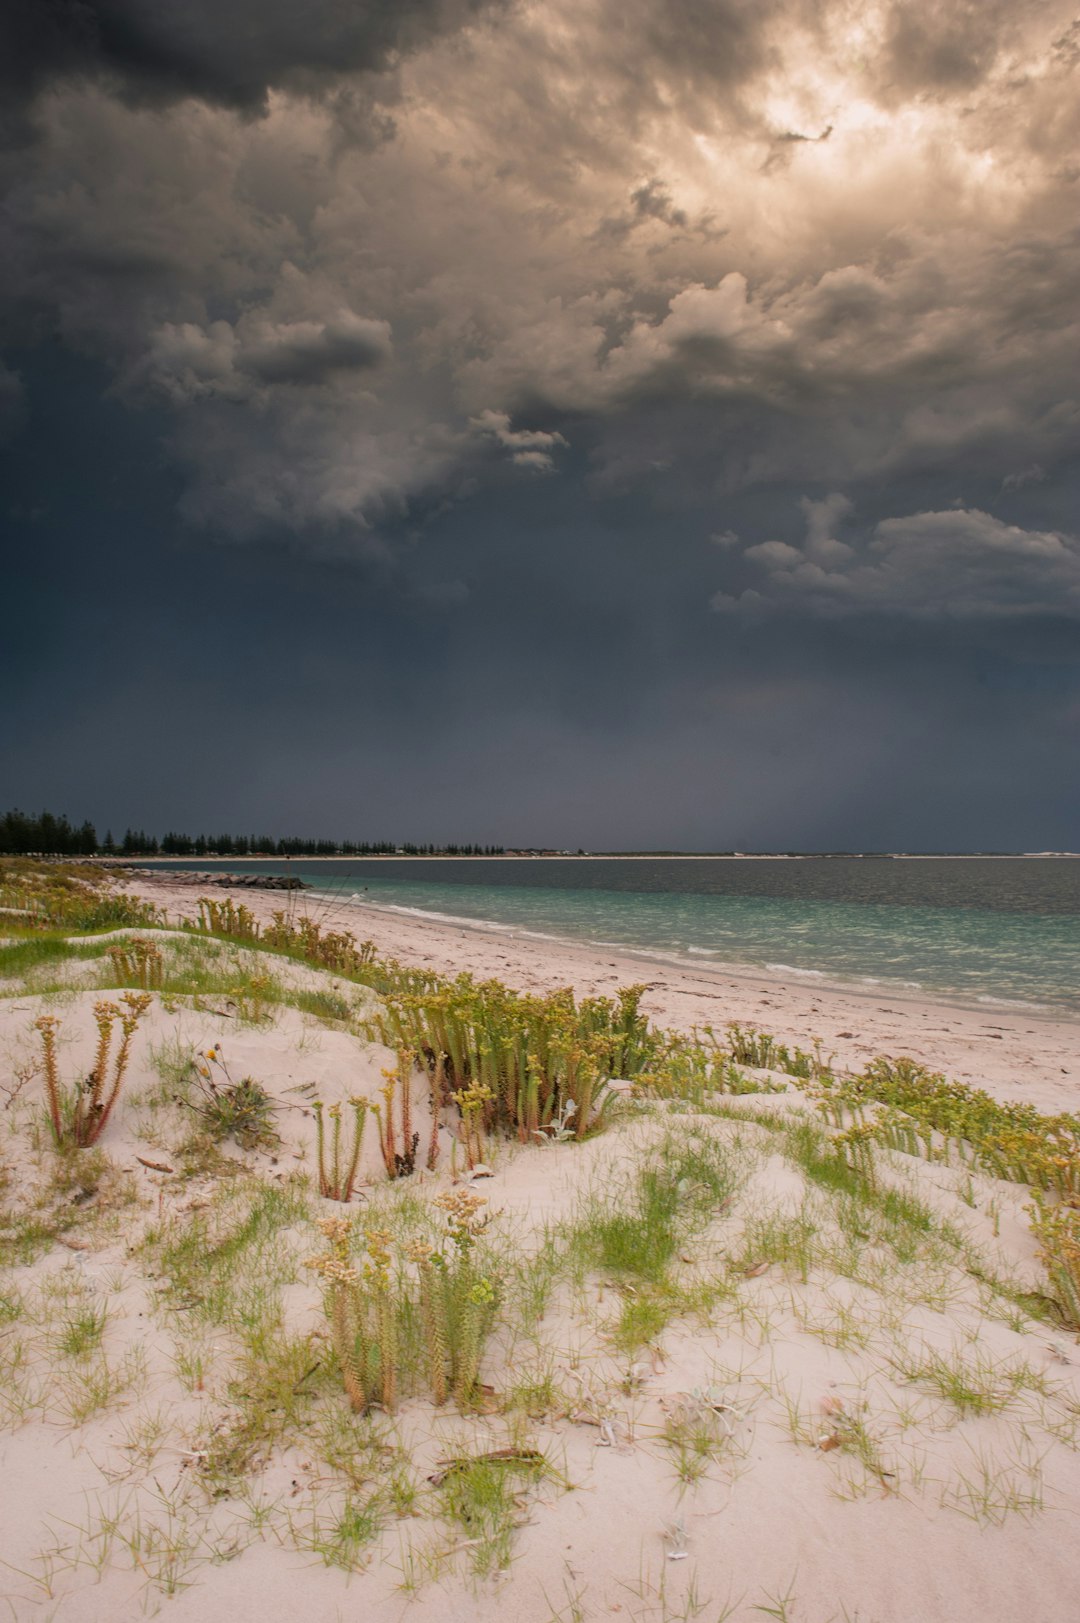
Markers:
{"x": 607, "y": 225}
{"x": 528, "y": 448}
{"x": 189, "y": 361}
{"x": 962, "y": 564}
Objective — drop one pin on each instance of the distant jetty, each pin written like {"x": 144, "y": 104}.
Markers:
{"x": 246, "y": 881}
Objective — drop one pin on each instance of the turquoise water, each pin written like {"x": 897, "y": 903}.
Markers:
{"x": 990, "y": 931}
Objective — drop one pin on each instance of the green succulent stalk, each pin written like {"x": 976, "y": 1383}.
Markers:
{"x": 405, "y": 1068}
{"x": 95, "y": 1098}
{"x": 583, "y": 1096}
{"x": 386, "y": 1122}
{"x": 136, "y": 1004}
{"x": 47, "y": 1025}
{"x": 335, "y": 1114}
{"x": 320, "y": 1148}
{"x": 377, "y": 1276}
{"x": 433, "y": 1316}
{"x": 343, "y": 1310}
{"x": 480, "y": 1298}
{"x": 349, "y": 1346}
{"x": 88, "y": 1102}
{"x": 359, "y": 1113}
{"x": 336, "y": 1183}
{"x": 438, "y": 1092}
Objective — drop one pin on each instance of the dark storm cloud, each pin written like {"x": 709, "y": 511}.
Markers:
{"x": 229, "y": 54}
{"x": 791, "y": 273}
{"x": 309, "y": 351}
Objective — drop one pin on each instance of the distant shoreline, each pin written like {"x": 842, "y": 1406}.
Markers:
{"x": 616, "y": 856}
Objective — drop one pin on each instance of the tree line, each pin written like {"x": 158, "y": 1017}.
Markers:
{"x": 50, "y": 835}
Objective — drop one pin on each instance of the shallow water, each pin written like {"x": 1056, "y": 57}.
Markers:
{"x": 985, "y": 930}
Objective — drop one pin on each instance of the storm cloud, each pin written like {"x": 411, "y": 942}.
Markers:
{"x": 231, "y": 55}
{"x": 786, "y": 272}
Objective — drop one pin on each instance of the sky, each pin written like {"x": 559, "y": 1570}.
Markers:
{"x": 594, "y": 423}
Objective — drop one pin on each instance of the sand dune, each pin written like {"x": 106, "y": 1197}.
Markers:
{"x": 820, "y": 1409}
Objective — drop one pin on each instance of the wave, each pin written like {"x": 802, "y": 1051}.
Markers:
{"x": 456, "y": 919}
{"x": 1016, "y": 1003}
{"x": 800, "y": 974}
{"x": 837, "y": 977}
{"x": 462, "y": 921}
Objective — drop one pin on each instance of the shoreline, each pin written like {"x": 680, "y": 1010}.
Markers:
{"x": 614, "y": 856}
{"x": 767, "y": 959}
{"x": 698, "y": 959}
{"x": 1012, "y": 1053}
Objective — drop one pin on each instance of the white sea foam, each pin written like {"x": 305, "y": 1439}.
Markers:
{"x": 439, "y": 918}
{"x": 460, "y": 921}
{"x": 1015, "y": 1003}
{"x": 800, "y": 974}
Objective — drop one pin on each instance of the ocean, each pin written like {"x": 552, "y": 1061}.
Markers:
{"x": 989, "y": 931}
